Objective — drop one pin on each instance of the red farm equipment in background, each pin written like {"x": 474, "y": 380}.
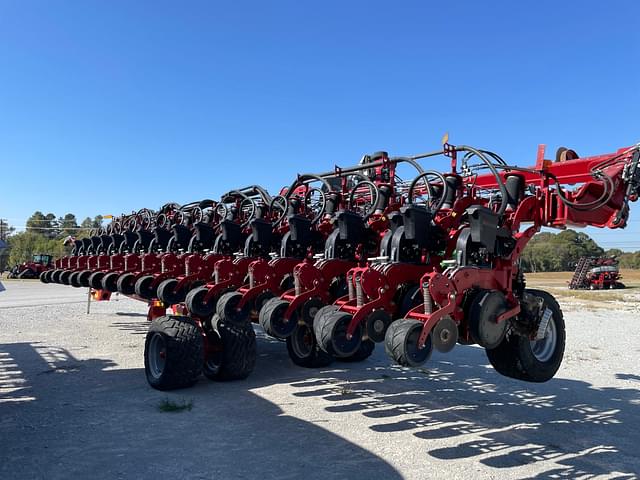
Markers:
{"x": 38, "y": 264}
{"x": 595, "y": 273}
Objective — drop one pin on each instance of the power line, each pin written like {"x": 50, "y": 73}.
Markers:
{"x": 54, "y": 228}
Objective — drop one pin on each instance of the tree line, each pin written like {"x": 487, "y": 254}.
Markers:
{"x": 546, "y": 252}
{"x": 559, "y": 252}
{"x": 44, "y": 234}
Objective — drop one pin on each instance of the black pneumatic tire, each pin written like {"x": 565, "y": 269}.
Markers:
{"x": 125, "y": 283}
{"x": 83, "y": 278}
{"x": 44, "y": 275}
{"x": 183, "y": 353}
{"x": 514, "y": 357}
{"x": 55, "y": 276}
{"x": 143, "y": 287}
{"x": 239, "y": 352}
{"x": 195, "y": 305}
{"x": 271, "y": 318}
{"x": 95, "y": 280}
{"x": 304, "y": 350}
{"x": 227, "y": 311}
{"x": 64, "y": 277}
{"x": 47, "y": 275}
{"x": 110, "y": 282}
{"x": 401, "y": 343}
{"x": 74, "y": 280}
{"x": 330, "y": 330}
{"x": 167, "y": 293}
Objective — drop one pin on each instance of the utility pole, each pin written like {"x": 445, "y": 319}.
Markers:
{"x": 3, "y": 251}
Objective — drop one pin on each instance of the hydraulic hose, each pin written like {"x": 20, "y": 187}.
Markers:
{"x": 491, "y": 166}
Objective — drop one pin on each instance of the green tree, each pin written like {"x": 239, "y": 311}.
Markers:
{"x": 548, "y": 252}
{"x": 25, "y": 244}
{"x": 68, "y": 225}
{"x": 43, "y": 224}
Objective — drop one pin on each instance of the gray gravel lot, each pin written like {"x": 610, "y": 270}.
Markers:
{"x": 74, "y": 403}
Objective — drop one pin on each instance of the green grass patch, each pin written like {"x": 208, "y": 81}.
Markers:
{"x": 167, "y": 405}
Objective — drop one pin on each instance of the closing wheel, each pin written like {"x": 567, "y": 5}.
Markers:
{"x": 196, "y": 305}
{"x": 168, "y": 294}
{"x": 227, "y": 309}
{"x": 44, "y": 275}
{"x": 65, "y": 277}
{"x": 271, "y": 318}
{"x": 73, "y": 279}
{"x": 234, "y": 357}
{"x": 483, "y": 314}
{"x": 83, "y": 278}
{"x": 95, "y": 280}
{"x": 331, "y": 332}
{"x": 173, "y": 353}
{"x": 110, "y": 282}
{"x": 126, "y": 283}
{"x": 445, "y": 335}
{"x": 401, "y": 343}
{"x": 377, "y": 323}
{"x": 310, "y": 309}
{"x": 535, "y": 360}
{"x": 143, "y": 287}
{"x": 304, "y": 350}
{"x": 261, "y": 299}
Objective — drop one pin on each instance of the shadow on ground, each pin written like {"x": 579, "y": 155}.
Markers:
{"x": 496, "y": 421}
{"x": 91, "y": 419}
{"x": 61, "y": 417}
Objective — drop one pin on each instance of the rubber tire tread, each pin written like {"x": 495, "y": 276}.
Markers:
{"x": 229, "y": 314}
{"x": 147, "y": 293}
{"x": 185, "y": 352}
{"x": 264, "y": 317}
{"x": 239, "y": 350}
{"x": 166, "y": 293}
{"x": 322, "y": 328}
{"x": 96, "y": 279}
{"x": 513, "y": 357}
{"x": 124, "y": 279}
{"x": 317, "y": 359}
{"x": 189, "y": 302}
{"x": 394, "y": 341}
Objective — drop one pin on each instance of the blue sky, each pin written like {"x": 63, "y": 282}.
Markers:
{"x": 111, "y": 106}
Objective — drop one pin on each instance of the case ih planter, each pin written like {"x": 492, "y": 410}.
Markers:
{"x": 596, "y": 274}
{"x": 417, "y": 266}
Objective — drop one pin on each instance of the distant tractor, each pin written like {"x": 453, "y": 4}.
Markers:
{"x": 596, "y": 274}
{"x": 33, "y": 268}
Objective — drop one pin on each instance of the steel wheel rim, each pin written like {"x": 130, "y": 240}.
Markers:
{"x": 281, "y": 328}
{"x": 417, "y": 355}
{"x": 544, "y": 348}
{"x": 302, "y": 341}
{"x": 343, "y": 346}
{"x": 157, "y": 356}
